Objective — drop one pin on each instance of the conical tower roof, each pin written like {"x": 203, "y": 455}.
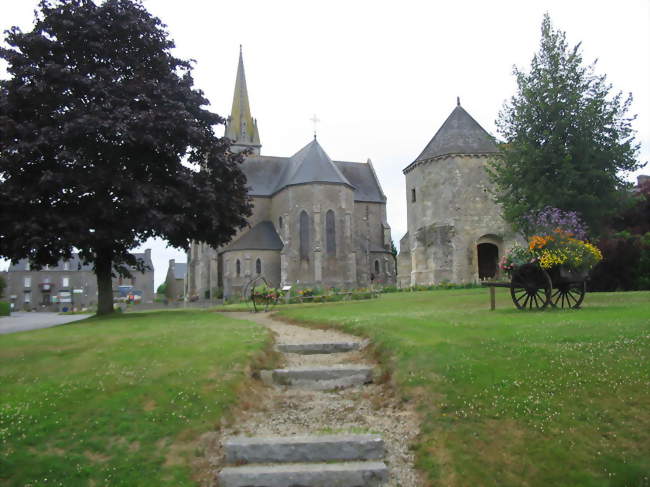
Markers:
{"x": 241, "y": 127}
{"x": 311, "y": 164}
{"x": 460, "y": 134}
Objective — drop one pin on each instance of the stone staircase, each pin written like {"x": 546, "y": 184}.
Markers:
{"x": 341, "y": 460}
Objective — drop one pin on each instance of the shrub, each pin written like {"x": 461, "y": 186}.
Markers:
{"x": 5, "y": 308}
{"x": 625, "y": 265}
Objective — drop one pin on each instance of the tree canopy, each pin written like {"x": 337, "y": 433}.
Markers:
{"x": 568, "y": 141}
{"x": 105, "y": 142}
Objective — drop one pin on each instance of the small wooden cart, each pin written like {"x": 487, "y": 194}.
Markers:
{"x": 532, "y": 287}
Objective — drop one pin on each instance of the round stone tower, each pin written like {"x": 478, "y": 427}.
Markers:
{"x": 455, "y": 230}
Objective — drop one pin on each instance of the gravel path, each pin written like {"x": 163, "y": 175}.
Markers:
{"x": 372, "y": 408}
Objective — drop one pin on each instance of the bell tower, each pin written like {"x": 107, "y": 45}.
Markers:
{"x": 241, "y": 127}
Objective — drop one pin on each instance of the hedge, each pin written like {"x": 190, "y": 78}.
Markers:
{"x": 5, "y": 308}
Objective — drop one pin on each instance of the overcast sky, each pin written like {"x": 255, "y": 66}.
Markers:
{"x": 382, "y": 76}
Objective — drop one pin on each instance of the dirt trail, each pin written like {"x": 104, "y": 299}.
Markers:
{"x": 371, "y": 408}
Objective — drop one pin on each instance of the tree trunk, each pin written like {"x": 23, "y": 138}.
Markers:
{"x": 103, "y": 270}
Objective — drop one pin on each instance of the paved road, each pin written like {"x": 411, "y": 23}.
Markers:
{"x": 23, "y": 321}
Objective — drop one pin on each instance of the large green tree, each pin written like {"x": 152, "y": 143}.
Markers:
{"x": 568, "y": 140}
{"x": 105, "y": 142}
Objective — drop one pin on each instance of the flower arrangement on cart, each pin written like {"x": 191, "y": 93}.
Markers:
{"x": 554, "y": 266}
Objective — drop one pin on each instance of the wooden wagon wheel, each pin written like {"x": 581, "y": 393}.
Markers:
{"x": 569, "y": 294}
{"x": 530, "y": 287}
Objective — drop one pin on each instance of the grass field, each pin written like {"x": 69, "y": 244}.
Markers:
{"x": 511, "y": 398}
{"x": 119, "y": 400}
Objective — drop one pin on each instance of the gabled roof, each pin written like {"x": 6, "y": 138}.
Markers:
{"x": 261, "y": 237}
{"x": 460, "y": 134}
{"x": 362, "y": 176}
{"x": 180, "y": 269}
{"x": 311, "y": 164}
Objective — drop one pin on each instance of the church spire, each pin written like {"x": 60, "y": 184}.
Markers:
{"x": 241, "y": 126}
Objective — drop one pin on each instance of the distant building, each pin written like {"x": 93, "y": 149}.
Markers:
{"x": 70, "y": 284}
{"x": 175, "y": 280}
{"x": 4, "y": 276}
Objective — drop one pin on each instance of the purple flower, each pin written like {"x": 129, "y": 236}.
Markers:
{"x": 545, "y": 221}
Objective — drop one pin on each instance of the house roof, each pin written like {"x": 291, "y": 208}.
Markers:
{"x": 74, "y": 264}
{"x": 180, "y": 269}
{"x": 459, "y": 134}
{"x": 261, "y": 237}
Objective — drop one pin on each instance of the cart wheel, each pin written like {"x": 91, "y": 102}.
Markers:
{"x": 530, "y": 287}
{"x": 569, "y": 295}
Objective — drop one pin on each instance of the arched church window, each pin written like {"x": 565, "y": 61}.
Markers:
{"x": 280, "y": 222}
{"x": 258, "y": 266}
{"x": 304, "y": 235}
{"x": 376, "y": 267}
{"x": 238, "y": 267}
{"x": 330, "y": 233}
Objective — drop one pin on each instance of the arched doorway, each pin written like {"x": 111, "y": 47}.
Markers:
{"x": 488, "y": 260}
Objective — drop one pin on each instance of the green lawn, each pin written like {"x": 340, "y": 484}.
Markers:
{"x": 119, "y": 400}
{"x": 511, "y": 398}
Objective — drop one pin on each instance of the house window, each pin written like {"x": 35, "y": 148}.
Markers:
{"x": 28, "y": 297}
{"x": 413, "y": 198}
{"x": 65, "y": 282}
{"x": 66, "y": 266}
{"x": 258, "y": 266}
{"x": 28, "y": 282}
{"x": 27, "y": 266}
{"x": 376, "y": 267}
{"x": 330, "y": 233}
{"x": 238, "y": 267}
{"x": 304, "y": 236}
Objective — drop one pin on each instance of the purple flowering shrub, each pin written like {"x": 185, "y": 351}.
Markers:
{"x": 548, "y": 220}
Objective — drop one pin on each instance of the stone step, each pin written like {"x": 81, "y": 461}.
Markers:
{"x": 298, "y": 449}
{"x": 353, "y": 474}
{"x": 317, "y": 348}
{"x": 320, "y": 378}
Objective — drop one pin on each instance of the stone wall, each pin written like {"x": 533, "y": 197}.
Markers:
{"x": 235, "y": 282}
{"x": 452, "y": 213}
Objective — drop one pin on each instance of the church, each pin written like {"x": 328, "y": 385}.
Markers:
{"x": 316, "y": 222}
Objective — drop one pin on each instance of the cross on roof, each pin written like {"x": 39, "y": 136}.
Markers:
{"x": 315, "y": 121}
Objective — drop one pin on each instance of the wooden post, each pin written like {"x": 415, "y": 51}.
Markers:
{"x": 492, "y": 298}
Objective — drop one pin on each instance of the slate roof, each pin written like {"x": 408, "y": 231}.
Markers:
{"x": 311, "y": 164}
{"x": 267, "y": 175}
{"x": 261, "y": 237}
{"x": 460, "y": 134}
{"x": 180, "y": 269}
{"x": 363, "y": 179}
{"x": 75, "y": 264}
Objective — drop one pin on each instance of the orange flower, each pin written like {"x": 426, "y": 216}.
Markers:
{"x": 537, "y": 242}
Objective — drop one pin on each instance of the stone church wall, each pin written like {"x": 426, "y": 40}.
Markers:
{"x": 369, "y": 238}
{"x": 235, "y": 282}
{"x": 318, "y": 268}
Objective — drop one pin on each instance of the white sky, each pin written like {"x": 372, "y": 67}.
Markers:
{"x": 382, "y": 76}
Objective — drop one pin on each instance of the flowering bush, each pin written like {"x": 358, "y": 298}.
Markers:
{"x": 559, "y": 248}
{"x": 516, "y": 256}
{"x": 266, "y": 294}
{"x": 547, "y": 220}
